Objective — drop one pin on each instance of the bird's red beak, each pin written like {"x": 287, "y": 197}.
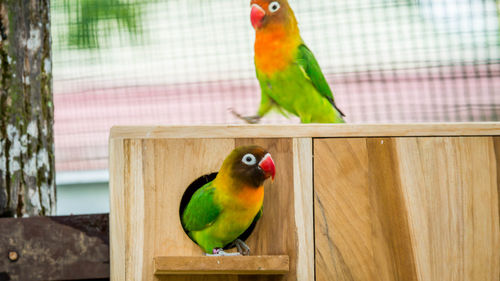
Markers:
{"x": 267, "y": 165}
{"x": 257, "y": 15}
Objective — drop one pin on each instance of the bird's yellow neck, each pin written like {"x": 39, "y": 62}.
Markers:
{"x": 246, "y": 196}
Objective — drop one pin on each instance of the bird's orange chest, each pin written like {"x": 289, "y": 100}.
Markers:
{"x": 251, "y": 197}
{"x": 275, "y": 49}
{"x": 233, "y": 195}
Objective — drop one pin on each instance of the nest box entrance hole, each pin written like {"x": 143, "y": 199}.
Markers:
{"x": 191, "y": 189}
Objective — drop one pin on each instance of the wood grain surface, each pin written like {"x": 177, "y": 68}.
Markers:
{"x": 54, "y": 248}
{"x": 303, "y": 199}
{"x": 238, "y": 265}
{"x": 307, "y": 130}
{"x": 407, "y": 209}
{"x": 117, "y": 227}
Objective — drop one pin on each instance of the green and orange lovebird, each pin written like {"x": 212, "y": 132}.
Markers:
{"x": 223, "y": 209}
{"x": 289, "y": 76}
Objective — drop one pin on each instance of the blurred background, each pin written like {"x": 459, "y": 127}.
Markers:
{"x": 161, "y": 62}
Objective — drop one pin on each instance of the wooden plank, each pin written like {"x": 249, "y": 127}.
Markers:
{"x": 54, "y": 248}
{"x": 349, "y": 238}
{"x": 451, "y": 191}
{"x": 307, "y": 130}
{"x": 117, "y": 218}
{"x": 496, "y": 144}
{"x": 407, "y": 209}
{"x": 304, "y": 219}
{"x": 136, "y": 249}
{"x": 202, "y": 265}
{"x": 389, "y": 217}
{"x": 343, "y": 246}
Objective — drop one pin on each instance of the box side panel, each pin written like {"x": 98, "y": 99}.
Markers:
{"x": 303, "y": 199}
{"x": 135, "y": 209}
{"x": 117, "y": 215}
{"x": 406, "y": 209}
{"x": 451, "y": 192}
{"x": 346, "y": 236}
{"x": 496, "y": 146}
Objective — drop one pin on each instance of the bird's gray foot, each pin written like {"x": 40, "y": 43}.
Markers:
{"x": 218, "y": 252}
{"x": 242, "y": 247}
{"x": 249, "y": 119}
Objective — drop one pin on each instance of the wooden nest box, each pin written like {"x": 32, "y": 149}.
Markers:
{"x": 349, "y": 202}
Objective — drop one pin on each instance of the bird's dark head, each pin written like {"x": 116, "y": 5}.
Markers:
{"x": 251, "y": 165}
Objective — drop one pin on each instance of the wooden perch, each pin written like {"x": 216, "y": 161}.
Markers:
{"x": 254, "y": 265}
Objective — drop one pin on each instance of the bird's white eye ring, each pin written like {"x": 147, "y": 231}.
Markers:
{"x": 274, "y": 6}
{"x": 249, "y": 159}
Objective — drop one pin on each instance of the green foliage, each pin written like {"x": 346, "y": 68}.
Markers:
{"x": 92, "y": 20}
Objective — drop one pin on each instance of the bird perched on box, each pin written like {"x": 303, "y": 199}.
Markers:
{"x": 290, "y": 78}
{"x": 221, "y": 210}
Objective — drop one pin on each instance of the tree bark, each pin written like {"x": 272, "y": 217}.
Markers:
{"x": 26, "y": 110}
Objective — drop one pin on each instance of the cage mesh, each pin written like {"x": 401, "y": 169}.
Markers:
{"x": 119, "y": 62}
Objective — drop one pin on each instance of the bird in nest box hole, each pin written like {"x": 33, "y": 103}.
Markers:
{"x": 290, "y": 78}
{"x": 222, "y": 210}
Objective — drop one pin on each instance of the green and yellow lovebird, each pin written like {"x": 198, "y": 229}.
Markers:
{"x": 221, "y": 210}
{"x": 289, "y": 76}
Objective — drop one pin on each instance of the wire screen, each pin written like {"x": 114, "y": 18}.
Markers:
{"x": 145, "y": 62}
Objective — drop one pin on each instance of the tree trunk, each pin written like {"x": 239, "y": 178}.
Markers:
{"x": 26, "y": 110}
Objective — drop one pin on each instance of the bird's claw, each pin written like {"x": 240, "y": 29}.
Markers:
{"x": 249, "y": 119}
{"x": 252, "y": 119}
{"x": 242, "y": 247}
{"x": 218, "y": 252}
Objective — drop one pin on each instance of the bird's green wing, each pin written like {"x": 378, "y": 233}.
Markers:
{"x": 310, "y": 67}
{"x": 201, "y": 211}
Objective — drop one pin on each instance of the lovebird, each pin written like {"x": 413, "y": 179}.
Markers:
{"x": 290, "y": 78}
{"x": 221, "y": 210}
